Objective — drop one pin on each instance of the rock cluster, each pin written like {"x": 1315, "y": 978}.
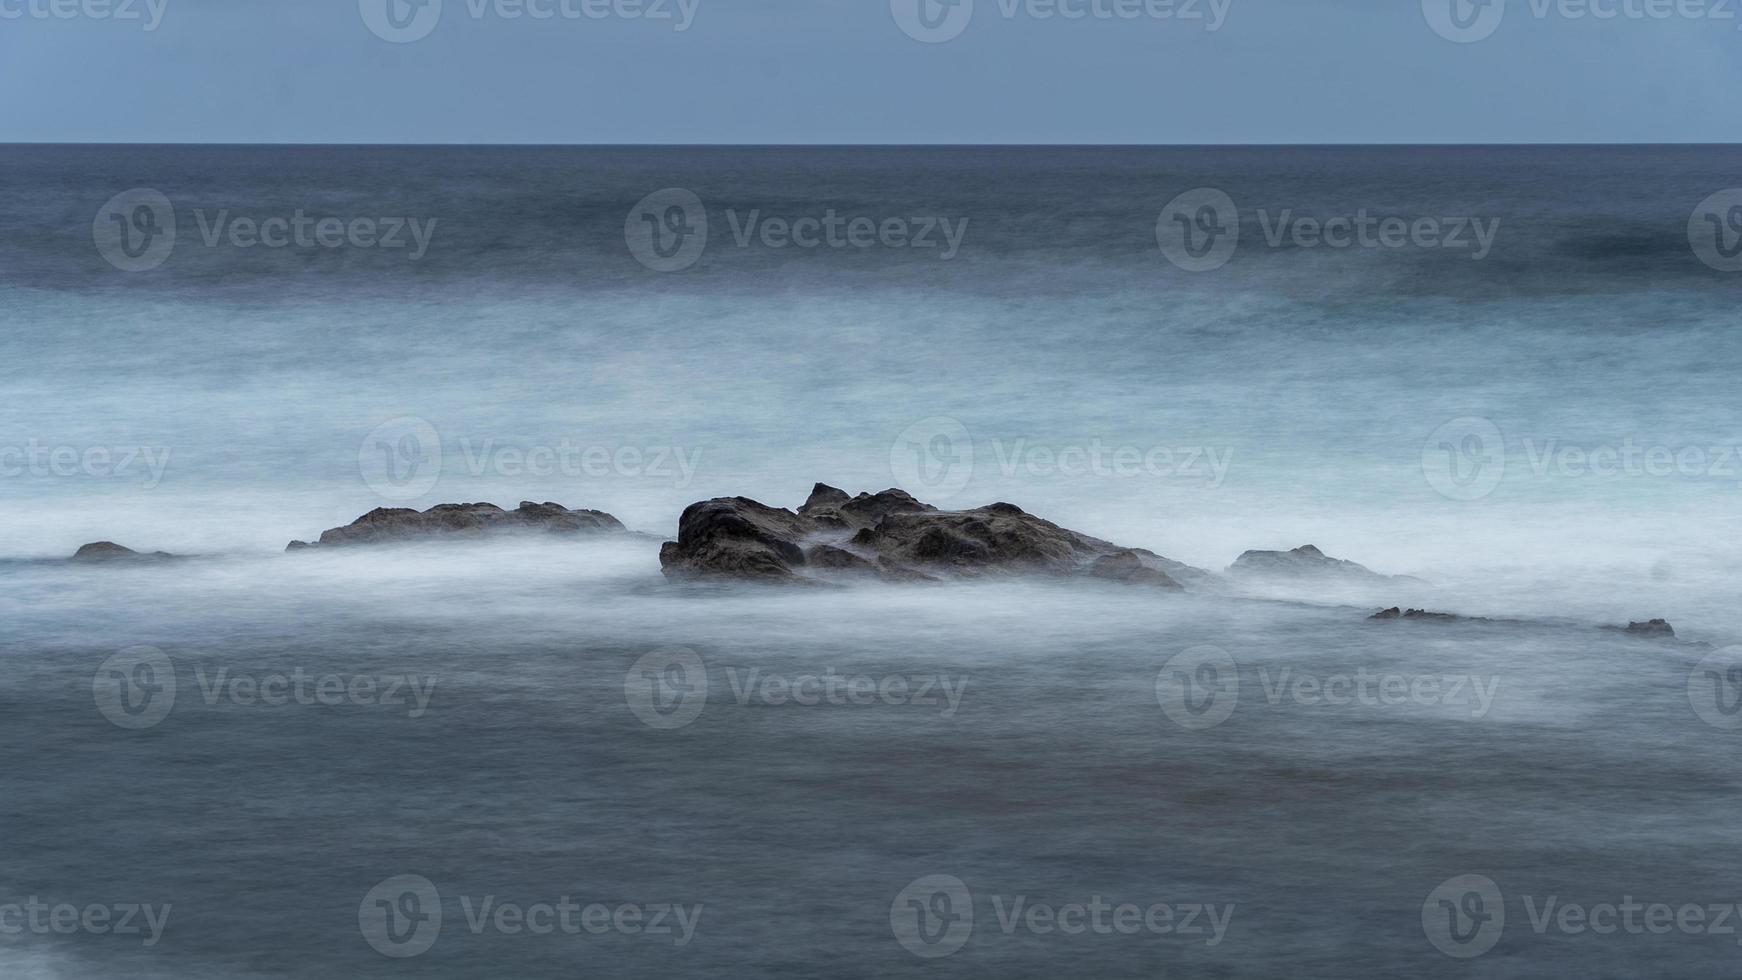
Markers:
{"x": 1306, "y": 561}
{"x": 1395, "y": 613}
{"x": 388, "y": 525}
{"x": 892, "y": 536}
{"x": 107, "y": 551}
{"x": 1653, "y": 628}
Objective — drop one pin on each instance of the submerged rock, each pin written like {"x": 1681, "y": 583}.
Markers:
{"x": 105, "y": 551}
{"x": 1307, "y": 561}
{"x": 386, "y": 525}
{"x": 1651, "y": 628}
{"x": 893, "y": 536}
{"x": 1395, "y": 613}
{"x": 1129, "y": 567}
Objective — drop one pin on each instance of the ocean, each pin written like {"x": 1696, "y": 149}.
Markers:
{"x": 1507, "y": 372}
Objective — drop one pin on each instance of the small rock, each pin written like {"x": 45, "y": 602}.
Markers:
{"x": 1306, "y": 561}
{"x": 1651, "y": 627}
{"x": 1395, "y": 613}
{"x": 104, "y": 551}
{"x": 1128, "y": 567}
{"x": 385, "y": 525}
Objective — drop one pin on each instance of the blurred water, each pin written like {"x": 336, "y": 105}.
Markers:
{"x": 1319, "y": 376}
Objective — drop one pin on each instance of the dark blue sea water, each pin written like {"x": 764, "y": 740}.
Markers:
{"x": 1542, "y": 429}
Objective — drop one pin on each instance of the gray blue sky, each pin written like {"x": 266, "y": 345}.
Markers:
{"x": 846, "y": 71}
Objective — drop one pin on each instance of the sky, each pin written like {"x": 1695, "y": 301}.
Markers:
{"x": 870, "y": 71}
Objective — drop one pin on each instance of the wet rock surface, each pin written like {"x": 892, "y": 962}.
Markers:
{"x": 1307, "y": 562}
{"x": 1395, "y": 613}
{"x": 98, "y": 552}
{"x": 1650, "y": 629}
{"x": 388, "y": 525}
{"x": 894, "y": 537}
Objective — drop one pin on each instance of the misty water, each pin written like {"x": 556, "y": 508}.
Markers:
{"x": 1296, "y": 395}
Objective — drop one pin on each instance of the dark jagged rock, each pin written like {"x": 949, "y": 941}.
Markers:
{"x": 831, "y": 507}
{"x": 386, "y": 525}
{"x": 894, "y": 535}
{"x": 1129, "y": 567}
{"x": 1395, "y": 613}
{"x": 831, "y": 558}
{"x": 1650, "y": 629}
{"x": 1306, "y": 561}
{"x": 738, "y": 537}
{"x": 107, "y": 551}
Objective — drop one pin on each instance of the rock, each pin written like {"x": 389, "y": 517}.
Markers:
{"x": 833, "y": 507}
{"x": 1650, "y": 628}
{"x": 1306, "y": 561}
{"x": 891, "y": 533}
{"x": 385, "y": 525}
{"x": 1394, "y": 613}
{"x": 831, "y": 558}
{"x": 106, "y": 551}
{"x": 736, "y": 537}
{"x": 1129, "y": 567}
